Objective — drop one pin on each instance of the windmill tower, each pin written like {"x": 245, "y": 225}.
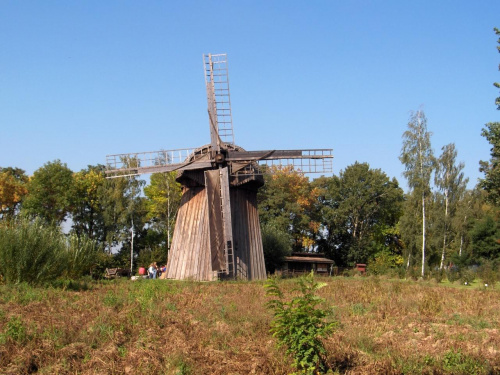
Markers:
{"x": 217, "y": 232}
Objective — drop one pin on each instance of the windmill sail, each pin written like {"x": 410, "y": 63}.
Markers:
{"x": 219, "y": 100}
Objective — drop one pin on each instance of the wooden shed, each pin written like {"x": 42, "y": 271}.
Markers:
{"x": 299, "y": 263}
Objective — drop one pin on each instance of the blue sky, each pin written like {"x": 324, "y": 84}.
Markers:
{"x": 83, "y": 79}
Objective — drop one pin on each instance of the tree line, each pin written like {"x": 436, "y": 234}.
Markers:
{"x": 360, "y": 215}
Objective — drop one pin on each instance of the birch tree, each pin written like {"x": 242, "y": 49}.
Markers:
{"x": 418, "y": 160}
{"x": 450, "y": 180}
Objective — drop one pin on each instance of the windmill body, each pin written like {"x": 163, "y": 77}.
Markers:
{"x": 217, "y": 232}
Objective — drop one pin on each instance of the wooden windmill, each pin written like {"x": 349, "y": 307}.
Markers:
{"x": 217, "y": 232}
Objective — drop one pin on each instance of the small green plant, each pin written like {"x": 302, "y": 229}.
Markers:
{"x": 358, "y": 309}
{"x": 15, "y": 330}
{"x": 300, "y": 323}
{"x": 458, "y": 363}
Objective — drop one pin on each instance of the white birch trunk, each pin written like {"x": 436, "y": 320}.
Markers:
{"x": 423, "y": 234}
{"x": 445, "y": 229}
{"x": 132, "y": 247}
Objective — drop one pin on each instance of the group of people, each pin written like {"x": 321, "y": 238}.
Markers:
{"x": 154, "y": 271}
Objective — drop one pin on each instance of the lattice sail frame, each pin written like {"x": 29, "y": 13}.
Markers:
{"x": 240, "y": 162}
{"x": 219, "y": 100}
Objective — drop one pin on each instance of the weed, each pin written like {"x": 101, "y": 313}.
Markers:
{"x": 358, "y": 309}
{"x": 112, "y": 300}
{"x": 122, "y": 351}
{"x": 181, "y": 366}
{"x": 300, "y": 323}
{"x": 171, "y": 306}
{"x": 15, "y": 331}
{"x": 458, "y": 363}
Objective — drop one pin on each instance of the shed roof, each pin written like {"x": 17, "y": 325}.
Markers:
{"x": 308, "y": 259}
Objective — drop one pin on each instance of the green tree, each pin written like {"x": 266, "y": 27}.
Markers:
{"x": 450, "y": 180}
{"x": 469, "y": 210}
{"x": 124, "y": 217}
{"x": 164, "y": 197}
{"x": 277, "y": 244}
{"x": 485, "y": 239}
{"x": 50, "y": 192}
{"x": 288, "y": 201}
{"x": 13, "y": 188}
{"x": 491, "y": 169}
{"x": 496, "y": 84}
{"x": 418, "y": 160}
{"x": 357, "y": 208}
{"x": 87, "y": 206}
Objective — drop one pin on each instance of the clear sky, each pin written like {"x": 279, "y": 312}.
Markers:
{"x": 83, "y": 79}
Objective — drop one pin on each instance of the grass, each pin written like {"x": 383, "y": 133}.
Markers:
{"x": 173, "y": 327}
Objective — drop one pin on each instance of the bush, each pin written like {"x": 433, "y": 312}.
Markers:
{"x": 30, "y": 252}
{"x": 300, "y": 324}
{"x": 384, "y": 262}
{"x": 488, "y": 273}
{"x": 36, "y": 253}
{"x": 452, "y": 274}
{"x": 467, "y": 276}
{"x": 80, "y": 254}
{"x": 438, "y": 274}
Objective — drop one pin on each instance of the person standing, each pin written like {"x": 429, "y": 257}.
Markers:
{"x": 152, "y": 271}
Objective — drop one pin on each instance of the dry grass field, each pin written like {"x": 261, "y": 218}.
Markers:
{"x": 170, "y": 327}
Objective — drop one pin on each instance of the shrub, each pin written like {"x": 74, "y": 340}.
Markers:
{"x": 36, "y": 253}
{"x": 467, "y": 276}
{"x": 30, "y": 251}
{"x": 452, "y": 274}
{"x": 488, "y": 273}
{"x": 80, "y": 256}
{"x": 383, "y": 262}
{"x": 438, "y": 275}
{"x": 300, "y": 324}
